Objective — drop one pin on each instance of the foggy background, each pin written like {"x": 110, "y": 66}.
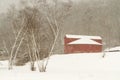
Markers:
{"x": 88, "y": 17}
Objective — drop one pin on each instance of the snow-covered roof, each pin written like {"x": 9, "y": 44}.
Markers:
{"x": 83, "y": 36}
{"x": 85, "y": 41}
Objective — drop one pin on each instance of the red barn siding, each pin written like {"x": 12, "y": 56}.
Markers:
{"x": 82, "y": 48}
{"x": 68, "y": 40}
{"x": 98, "y": 40}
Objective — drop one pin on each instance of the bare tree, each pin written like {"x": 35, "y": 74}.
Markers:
{"x": 37, "y": 27}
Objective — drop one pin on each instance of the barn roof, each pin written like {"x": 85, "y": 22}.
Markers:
{"x": 85, "y": 41}
{"x": 83, "y": 36}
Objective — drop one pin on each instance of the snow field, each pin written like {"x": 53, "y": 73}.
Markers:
{"x": 86, "y": 66}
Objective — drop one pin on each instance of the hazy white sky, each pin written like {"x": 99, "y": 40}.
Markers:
{"x": 4, "y": 4}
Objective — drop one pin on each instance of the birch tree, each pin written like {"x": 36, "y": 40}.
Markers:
{"x": 36, "y": 28}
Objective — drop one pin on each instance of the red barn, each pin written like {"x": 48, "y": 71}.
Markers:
{"x": 82, "y": 44}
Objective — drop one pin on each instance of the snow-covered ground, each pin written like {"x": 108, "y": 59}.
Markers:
{"x": 114, "y": 49}
{"x": 85, "y": 66}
